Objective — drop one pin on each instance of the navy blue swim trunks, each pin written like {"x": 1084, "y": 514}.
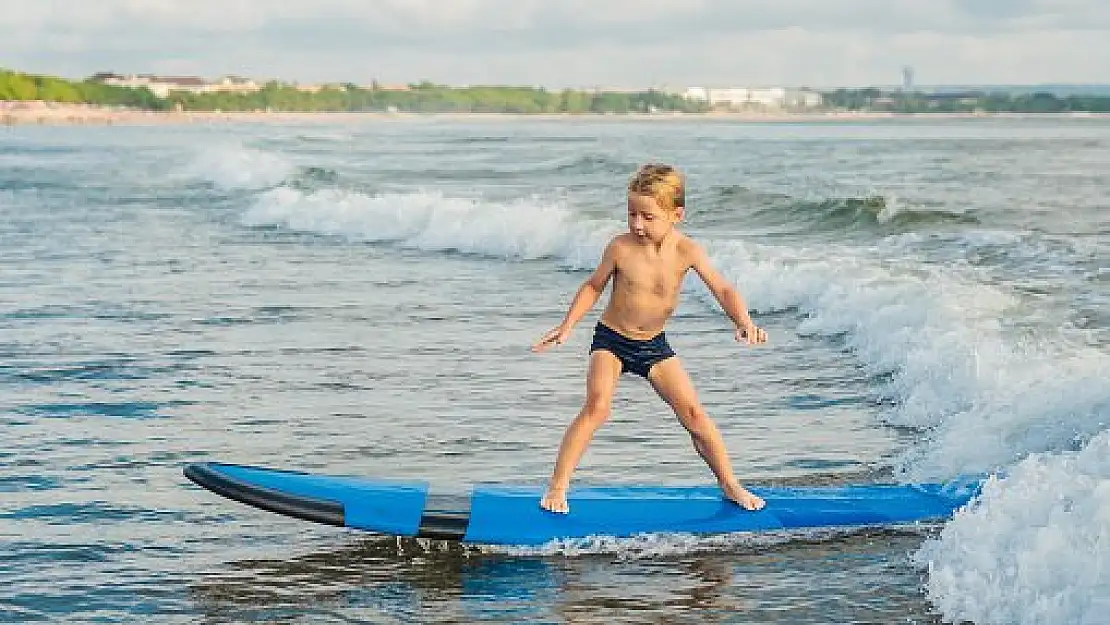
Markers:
{"x": 636, "y": 356}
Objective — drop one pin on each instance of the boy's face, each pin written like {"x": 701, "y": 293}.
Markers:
{"x": 649, "y": 221}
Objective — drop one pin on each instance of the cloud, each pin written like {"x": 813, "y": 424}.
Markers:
{"x": 571, "y": 42}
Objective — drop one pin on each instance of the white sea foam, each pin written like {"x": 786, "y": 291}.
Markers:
{"x": 1034, "y": 549}
{"x": 524, "y": 229}
{"x": 646, "y": 546}
{"x": 235, "y": 166}
{"x": 928, "y": 330}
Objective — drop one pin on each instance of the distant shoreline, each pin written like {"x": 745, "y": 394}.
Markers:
{"x": 61, "y": 115}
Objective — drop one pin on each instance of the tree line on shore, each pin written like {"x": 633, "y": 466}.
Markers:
{"x": 423, "y": 97}
{"x": 427, "y": 97}
{"x": 20, "y": 86}
{"x": 962, "y": 102}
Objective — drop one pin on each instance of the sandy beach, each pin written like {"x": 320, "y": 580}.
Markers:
{"x": 54, "y": 114}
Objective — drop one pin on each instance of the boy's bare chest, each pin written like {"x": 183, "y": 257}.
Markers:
{"x": 659, "y": 277}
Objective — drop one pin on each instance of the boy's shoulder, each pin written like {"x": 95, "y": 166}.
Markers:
{"x": 684, "y": 245}
{"x": 687, "y": 247}
{"x": 621, "y": 241}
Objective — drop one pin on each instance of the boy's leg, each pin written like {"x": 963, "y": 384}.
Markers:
{"x": 671, "y": 382}
{"x": 601, "y": 380}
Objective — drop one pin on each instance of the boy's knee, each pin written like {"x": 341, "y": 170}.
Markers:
{"x": 596, "y": 410}
{"x": 693, "y": 418}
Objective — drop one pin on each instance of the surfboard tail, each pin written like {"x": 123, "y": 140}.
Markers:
{"x": 386, "y": 506}
{"x": 315, "y": 509}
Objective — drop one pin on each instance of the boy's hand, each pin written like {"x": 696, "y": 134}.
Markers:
{"x": 751, "y": 334}
{"x": 555, "y": 336}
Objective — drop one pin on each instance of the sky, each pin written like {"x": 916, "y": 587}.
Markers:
{"x": 568, "y": 43}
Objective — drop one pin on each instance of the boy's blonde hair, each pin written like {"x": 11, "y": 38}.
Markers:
{"x": 662, "y": 182}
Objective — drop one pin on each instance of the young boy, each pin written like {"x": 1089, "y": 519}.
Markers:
{"x": 647, "y": 265}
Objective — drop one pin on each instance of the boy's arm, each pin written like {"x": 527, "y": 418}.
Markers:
{"x": 584, "y": 299}
{"x": 728, "y": 297}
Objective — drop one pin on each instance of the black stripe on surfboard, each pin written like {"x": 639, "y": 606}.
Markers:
{"x": 445, "y": 517}
{"x": 307, "y": 508}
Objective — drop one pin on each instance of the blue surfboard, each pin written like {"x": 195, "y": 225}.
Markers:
{"x": 510, "y": 514}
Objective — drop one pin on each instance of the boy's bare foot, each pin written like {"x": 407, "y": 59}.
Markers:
{"x": 555, "y": 500}
{"x": 742, "y": 496}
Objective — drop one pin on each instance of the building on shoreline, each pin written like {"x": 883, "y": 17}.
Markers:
{"x": 755, "y": 98}
{"x": 162, "y": 86}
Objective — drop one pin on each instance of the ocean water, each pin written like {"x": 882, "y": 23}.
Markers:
{"x": 360, "y": 298}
